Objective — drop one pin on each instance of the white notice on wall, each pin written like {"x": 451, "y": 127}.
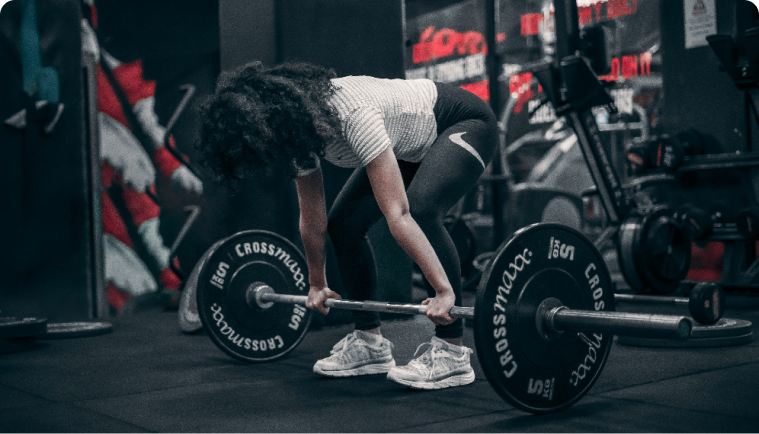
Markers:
{"x": 700, "y": 21}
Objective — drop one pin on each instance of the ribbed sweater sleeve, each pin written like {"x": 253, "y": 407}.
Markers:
{"x": 365, "y": 130}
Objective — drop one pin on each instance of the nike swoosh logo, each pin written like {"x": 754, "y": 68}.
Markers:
{"x": 456, "y": 138}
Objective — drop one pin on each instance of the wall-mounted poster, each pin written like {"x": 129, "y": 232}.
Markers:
{"x": 700, "y": 21}
{"x": 449, "y": 46}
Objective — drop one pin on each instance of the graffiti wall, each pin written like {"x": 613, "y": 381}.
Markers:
{"x": 146, "y": 84}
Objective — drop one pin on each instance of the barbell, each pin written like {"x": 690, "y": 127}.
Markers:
{"x": 705, "y": 303}
{"x": 543, "y": 319}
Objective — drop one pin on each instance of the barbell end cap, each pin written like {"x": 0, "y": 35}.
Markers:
{"x": 254, "y": 296}
{"x": 684, "y": 328}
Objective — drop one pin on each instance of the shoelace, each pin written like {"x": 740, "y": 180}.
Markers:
{"x": 343, "y": 343}
{"x": 427, "y": 356}
{"x": 431, "y": 352}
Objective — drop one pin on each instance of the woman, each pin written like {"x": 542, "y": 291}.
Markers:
{"x": 417, "y": 147}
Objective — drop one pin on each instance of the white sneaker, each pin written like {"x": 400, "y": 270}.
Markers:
{"x": 438, "y": 367}
{"x": 355, "y": 356}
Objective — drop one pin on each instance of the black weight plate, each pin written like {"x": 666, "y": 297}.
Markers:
{"x": 76, "y": 329}
{"x": 627, "y": 246}
{"x": 721, "y": 341}
{"x": 725, "y": 332}
{"x": 13, "y": 327}
{"x": 189, "y": 320}
{"x": 666, "y": 252}
{"x": 247, "y": 333}
{"x": 654, "y": 252}
{"x": 725, "y": 327}
{"x": 539, "y": 262}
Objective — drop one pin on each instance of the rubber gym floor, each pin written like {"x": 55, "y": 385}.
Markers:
{"x": 147, "y": 376}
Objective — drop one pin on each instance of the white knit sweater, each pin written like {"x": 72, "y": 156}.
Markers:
{"x": 376, "y": 113}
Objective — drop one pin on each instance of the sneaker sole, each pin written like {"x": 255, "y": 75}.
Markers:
{"x": 452, "y": 381}
{"x": 374, "y": 368}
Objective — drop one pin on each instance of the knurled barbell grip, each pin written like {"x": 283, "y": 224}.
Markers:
{"x": 372, "y": 306}
{"x": 561, "y": 319}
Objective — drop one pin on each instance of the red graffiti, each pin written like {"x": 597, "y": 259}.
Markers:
{"x": 645, "y": 64}
{"x": 521, "y": 84}
{"x": 594, "y": 13}
{"x": 447, "y": 42}
{"x": 620, "y": 8}
{"x": 633, "y": 65}
{"x": 531, "y": 24}
{"x": 586, "y": 15}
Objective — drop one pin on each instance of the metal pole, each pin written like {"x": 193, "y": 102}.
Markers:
{"x": 372, "y": 306}
{"x": 493, "y": 63}
{"x": 651, "y": 299}
{"x": 619, "y": 323}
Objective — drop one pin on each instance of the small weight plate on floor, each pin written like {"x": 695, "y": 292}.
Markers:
{"x": 724, "y": 341}
{"x": 17, "y": 344}
{"x": 724, "y": 333}
{"x": 725, "y": 327}
{"x": 13, "y": 327}
{"x": 528, "y": 368}
{"x": 235, "y": 266}
{"x": 76, "y": 329}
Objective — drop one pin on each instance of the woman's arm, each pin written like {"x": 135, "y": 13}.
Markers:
{"x": 387, "y": 185}
{"x": 313, "y": 231}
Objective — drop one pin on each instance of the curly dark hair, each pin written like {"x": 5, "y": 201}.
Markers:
{"x": 270, "y": 120}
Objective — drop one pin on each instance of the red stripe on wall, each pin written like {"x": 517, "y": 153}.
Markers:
{"x": 113, "y": 225}
{"x": 141, "y": 207}
{"x": 166, "y": 162}
{"x": 129, "y": 76}
{"x": 108, "y": 103}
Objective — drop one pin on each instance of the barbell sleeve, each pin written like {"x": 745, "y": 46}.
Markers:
{"x": 561, "y": 319}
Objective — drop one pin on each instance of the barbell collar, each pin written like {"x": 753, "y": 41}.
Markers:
{"x": 561, "y": 319}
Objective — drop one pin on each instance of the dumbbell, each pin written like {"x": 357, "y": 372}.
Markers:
{"x": 668, "y": 153}
{"x": 638, "y": 159}
{"x": 706, "y": 301}
{"x": 694, "y": 220}
{"x": 665, "y": 153}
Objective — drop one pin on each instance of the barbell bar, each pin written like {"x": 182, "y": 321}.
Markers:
{"x": 556, "y": 320}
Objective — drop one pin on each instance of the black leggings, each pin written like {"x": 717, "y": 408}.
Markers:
{"x": 467, "y": 129}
